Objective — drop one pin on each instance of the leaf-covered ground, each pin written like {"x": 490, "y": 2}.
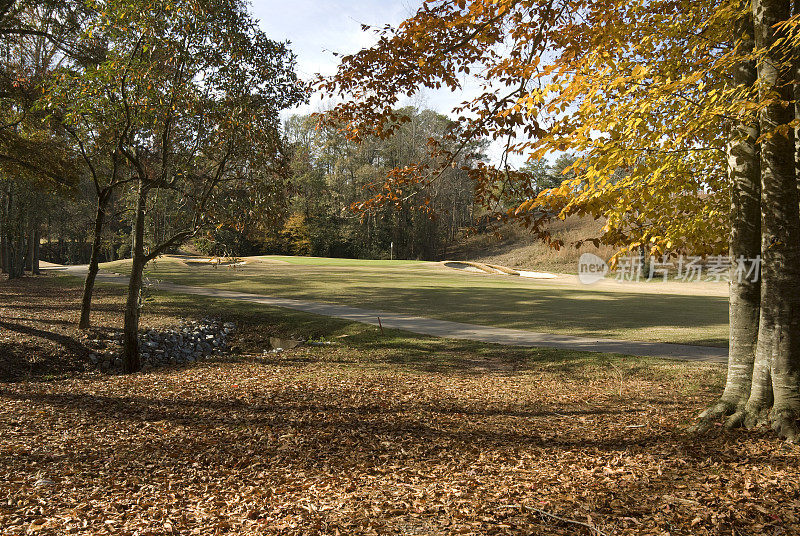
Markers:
{"x": 376, "y": 435}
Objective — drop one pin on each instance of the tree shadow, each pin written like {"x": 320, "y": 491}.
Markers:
{"x": 486, "y": 301}
{"x": 433, "y": 422}
{"x": 41, "y": 355}
{"x": 312, "y": 416}
{"x": 64, "y": 340}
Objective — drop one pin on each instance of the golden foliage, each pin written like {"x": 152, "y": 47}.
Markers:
{"x": 637, "y": 89}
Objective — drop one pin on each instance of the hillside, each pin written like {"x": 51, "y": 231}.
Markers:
{"x": 519, "y": 249}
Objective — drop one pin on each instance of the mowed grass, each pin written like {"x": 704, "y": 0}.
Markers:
{"x": 328, "y": 261}
{"x": 643, "y": 312}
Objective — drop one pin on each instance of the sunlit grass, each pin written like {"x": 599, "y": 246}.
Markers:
{"x": 644, "y": 312}
{"x": 325, "y": 261}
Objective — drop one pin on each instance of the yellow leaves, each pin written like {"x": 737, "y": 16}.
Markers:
{"x": 640, "y": 71}
{"x": 633, "y": 89}
{"x": 619, "y": 81}
{"x": 525, "y": 206}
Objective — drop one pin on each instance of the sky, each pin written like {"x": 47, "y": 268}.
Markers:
{"x": 317, "y": 28}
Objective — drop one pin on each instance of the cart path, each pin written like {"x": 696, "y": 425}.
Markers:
{"x": 439, "y": 328}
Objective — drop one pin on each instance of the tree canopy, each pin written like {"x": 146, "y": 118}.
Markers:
{"x": 638, "y": 91}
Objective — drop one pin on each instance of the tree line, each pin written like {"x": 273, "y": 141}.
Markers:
{"x": 329, "y": 175}
{"x": 131, "y": 128}
{"x": 135, "y": 121}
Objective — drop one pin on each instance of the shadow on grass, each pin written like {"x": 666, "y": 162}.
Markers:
{"x": 359, "y": 343}
{"x": 687, "y": 319}
{"x": 355, "y": 343}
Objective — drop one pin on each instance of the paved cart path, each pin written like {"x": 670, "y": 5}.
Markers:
{"x": 440, "y": 328}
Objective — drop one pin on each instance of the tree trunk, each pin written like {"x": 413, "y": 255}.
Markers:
{"x": 777, "y": 360}
{"x": 133, "y": 304}
{"x": 3, "y": 251}
{"x": 16, "y": 243}
{"x": 10, "y": 253}
{"x": 3, "y": 236}
{"x": 18, "y": 264}
{"x": 744, "y": 172}
{"x": 94, "y": 261}
{"x": 796, "y": 92}
{"x": 37, "y": 241}
{"x": 31, "y": 247}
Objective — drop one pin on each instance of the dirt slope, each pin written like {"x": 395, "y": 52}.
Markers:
{"x": 518, "y": 249}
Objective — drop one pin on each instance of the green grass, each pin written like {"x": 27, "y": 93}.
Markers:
{"x": 359, "y": 346}
{"x": 425, "y": 289}
{"x": 326, "y": 261}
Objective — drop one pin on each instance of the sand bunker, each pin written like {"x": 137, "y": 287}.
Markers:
{"x": 537, "y": 275}
{"x": 465, "y": 267}
{"x": 495, "y": 269}
{"x": 215, "y": 261}
{"x": 478, "y": 267}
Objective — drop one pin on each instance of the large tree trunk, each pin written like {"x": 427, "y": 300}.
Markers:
{"x": 744, "y": 172}
{"x": 37, "y": 241}
{"x": 776, "y": 378}
{"x": 4, "y": 268}
{"x": 31, "y": 247}
{"x": 796, "y": 88}
{"x": 131, "y": 358}
{"x": 94, "y": 262}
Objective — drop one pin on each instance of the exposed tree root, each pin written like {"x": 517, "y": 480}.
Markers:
{"x": 755, "y": 417}
{"x": 784, "y": 423}
{"x": 736, "y": 420}
{"x": 715, "y": 412}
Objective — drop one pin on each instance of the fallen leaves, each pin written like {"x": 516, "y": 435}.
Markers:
{"x": 343, "y": 441}
{"x": 322, "y": 448}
